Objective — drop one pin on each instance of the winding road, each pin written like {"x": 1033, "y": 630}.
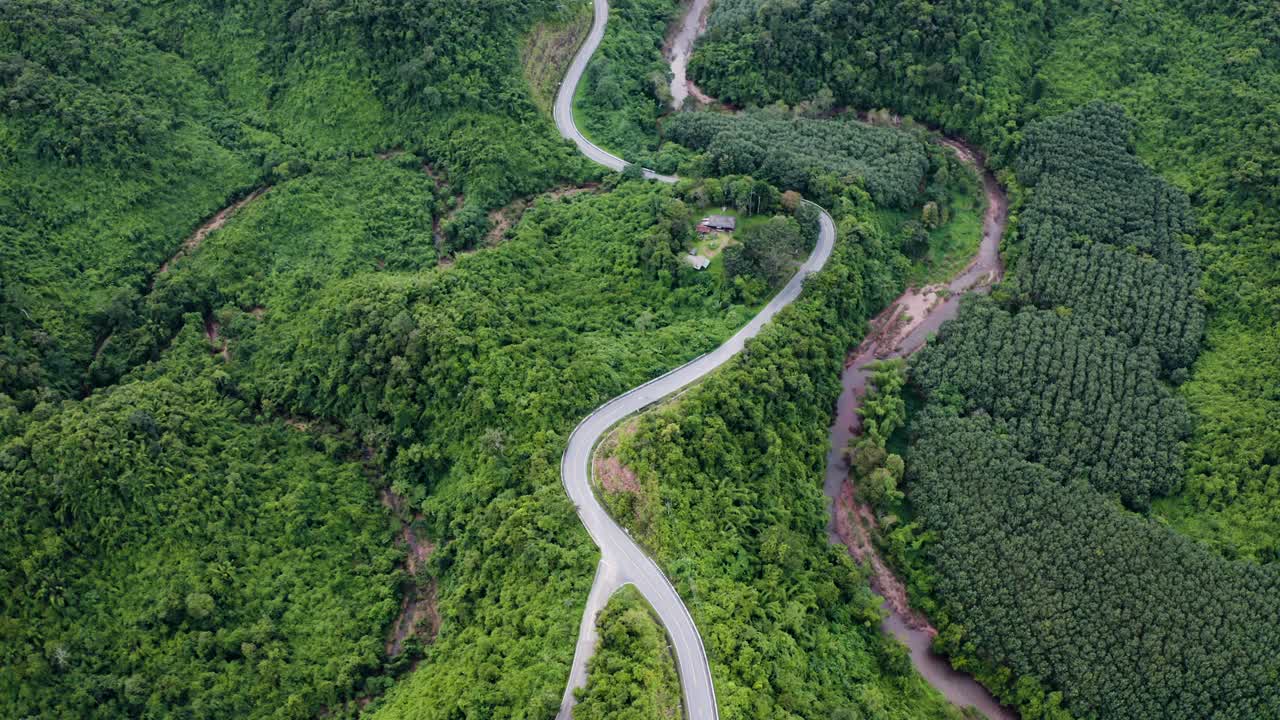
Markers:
{"x": 622, "y": 561}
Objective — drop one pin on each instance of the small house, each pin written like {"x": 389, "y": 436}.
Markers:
{"x": 717, "y": 223}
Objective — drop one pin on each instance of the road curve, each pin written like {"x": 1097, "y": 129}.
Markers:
{"x": 622, "y": 561}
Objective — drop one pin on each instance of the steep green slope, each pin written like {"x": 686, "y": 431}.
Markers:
{"x": 166, "y": 549}
{"x": 455, "y": 385}
{"x": 727, "y": 493}
{"x": 626, "y": 88}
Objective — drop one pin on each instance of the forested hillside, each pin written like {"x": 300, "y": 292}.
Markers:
{"x": 625, "y": 88}
{"x": 1200, "y": 80}
{"x": 196, "y": 428}
{"x": 1034, "y": 420}
{"x": 126, "y": 124}
{"x": 727, "y": 495}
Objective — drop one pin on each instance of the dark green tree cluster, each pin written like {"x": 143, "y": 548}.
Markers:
{"x": 742, "y": 192}
{"x": 626, "y": 85}
{"x": 808, "y": 155}
{"x": 1092, "y": 189}
{"x": 1107, "y": 237}
{"x": 1055, "y": 594}
{"x": 1124, "y": 618}
{"x": 1200, "y": 80}
{"x": 632, "y": 675}
{"x": 737, "y": 518}
{"x": 1139, "y": 299}
{"x": 770, "y": 251}
{"x": 1070, "y": 398}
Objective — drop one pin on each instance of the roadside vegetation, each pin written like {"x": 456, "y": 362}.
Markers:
{"x": 626, "y": 87}
{"x": 549, "y": 48}
{"x": 196, "y": 458}
{"x": 632, "y": 675}
{"x": 727, "y": 494}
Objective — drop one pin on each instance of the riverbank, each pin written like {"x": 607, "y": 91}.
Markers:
{"x": 897, "y": 332}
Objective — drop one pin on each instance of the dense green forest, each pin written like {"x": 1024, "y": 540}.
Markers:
{"x": 729, "y": 499}
{"x": 246, "y": 403}
{"x": 128, "y": 123}
{"x": 454, "y": 384}
{"x": 207, "y": 449}
{"x": 1200, "y": 80}
{"x": 1034, "y": 419}
{"x": 814, "y": 157}
{"x": 625, "y": 88}
{"x": 632, "y": 676}
{"x": 164, "y": 546}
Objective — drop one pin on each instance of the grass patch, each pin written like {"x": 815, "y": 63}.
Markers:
{"x": 952, "y": 245}
{"x": 712, "y": 244}
{"x": 549, "y": 48}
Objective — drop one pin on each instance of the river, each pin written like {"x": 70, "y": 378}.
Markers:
{"x": 680, "y": 46}
{"x": 898, "y": 331}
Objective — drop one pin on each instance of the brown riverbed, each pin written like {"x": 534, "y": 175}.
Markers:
{"x": 898, "y": 331}
{"x": 680, "y": 47}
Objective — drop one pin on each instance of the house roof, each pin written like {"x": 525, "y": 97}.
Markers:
{"x": 698, "y": 262}
{"x": 727, "y": 222}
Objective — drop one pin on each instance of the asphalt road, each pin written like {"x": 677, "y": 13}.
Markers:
{"x": 621, "y": 560}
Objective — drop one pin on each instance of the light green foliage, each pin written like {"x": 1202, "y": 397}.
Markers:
{"x": 738, "y": 520}
{"x": 957, "y": 225}
{"x": 464, "y": 382}
{"x": 458, "y": 383}
{"x": 1230, "y": 499}
{"x": 129, "y": 123}
{"x": 877, "y": 473}
{"x": 343, "y": 219}
{"x": 883, "y": 410}
{"x": 632, "y": 675}
{"x": 625, "y": 88}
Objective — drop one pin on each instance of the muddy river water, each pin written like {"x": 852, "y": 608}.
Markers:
{"x": 680, "y": 46}
{"x": 899, "y": 331}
